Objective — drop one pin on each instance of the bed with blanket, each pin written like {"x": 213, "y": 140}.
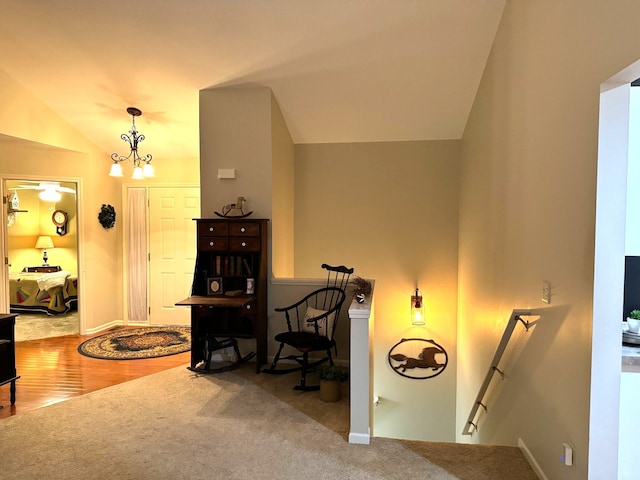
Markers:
{"x": 52, "y": 293}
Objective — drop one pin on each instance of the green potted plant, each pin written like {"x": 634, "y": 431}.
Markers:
{"x": 633, "y": 321}
{"x": 331, "y": 376}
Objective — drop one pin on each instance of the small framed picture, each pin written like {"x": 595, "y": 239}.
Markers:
{"x": 214, "y": 286}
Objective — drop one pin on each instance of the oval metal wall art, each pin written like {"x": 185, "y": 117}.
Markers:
{"x": 411, "y": 358}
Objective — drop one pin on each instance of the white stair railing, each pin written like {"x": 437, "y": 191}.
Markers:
{"x": 360, "y": 375}
{"x": 516, "y": 316}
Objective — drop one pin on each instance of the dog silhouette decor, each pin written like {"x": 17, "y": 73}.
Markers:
{"x": 431, "y": 360}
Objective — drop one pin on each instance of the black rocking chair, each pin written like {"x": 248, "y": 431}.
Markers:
{"x": 311, "y": 324}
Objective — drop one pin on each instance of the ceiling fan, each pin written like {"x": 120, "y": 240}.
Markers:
{"x": 49, "y": 191}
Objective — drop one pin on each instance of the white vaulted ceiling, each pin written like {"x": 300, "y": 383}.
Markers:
{"x": 341, "y": 70}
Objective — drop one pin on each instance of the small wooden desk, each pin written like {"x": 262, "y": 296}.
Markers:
{"x": 231, "y": 257}
{"x": 8, "y": 372}
{"x": 223, "y": 316}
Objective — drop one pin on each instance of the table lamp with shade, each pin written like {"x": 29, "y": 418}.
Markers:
{"x": 44, "y": 242}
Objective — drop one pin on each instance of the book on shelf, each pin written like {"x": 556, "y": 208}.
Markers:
{"x": 218, "y": 272}
{"x": 247, "y": 268}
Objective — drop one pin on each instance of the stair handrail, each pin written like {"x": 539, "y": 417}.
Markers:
{"x": 516, "y": 316}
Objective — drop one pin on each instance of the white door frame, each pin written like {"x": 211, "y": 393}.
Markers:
{"x": 4, "y": 276}
{"x": 610, "y": 226}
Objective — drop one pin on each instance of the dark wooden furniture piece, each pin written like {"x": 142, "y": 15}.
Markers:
{"x": 311, "y": 325}
{"x": 8, "y": 372}
{"x": 43, "y": 269}
{"x": 229, "y": 292}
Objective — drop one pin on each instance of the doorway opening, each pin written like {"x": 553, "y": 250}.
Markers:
{"x": 41, "y": 253}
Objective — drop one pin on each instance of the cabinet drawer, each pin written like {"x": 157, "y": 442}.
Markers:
{"x": 250, "y": 308}
{"x": 244, "y": 229}
{"x": 213, "y": 229}
{"x": 250, "y": 244}
{"x": 213, "y": 243}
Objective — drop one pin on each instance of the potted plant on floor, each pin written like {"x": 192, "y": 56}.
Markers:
{"x": 331, "y": 376}
{"x": 633, "y": 321}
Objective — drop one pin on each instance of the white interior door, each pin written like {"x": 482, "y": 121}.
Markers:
{"x": 172, "y": 252}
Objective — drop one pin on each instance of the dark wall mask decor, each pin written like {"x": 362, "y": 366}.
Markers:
{"x": 107, "y": 216}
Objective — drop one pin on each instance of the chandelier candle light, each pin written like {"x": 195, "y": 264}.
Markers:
{"x": 142, "y": 167}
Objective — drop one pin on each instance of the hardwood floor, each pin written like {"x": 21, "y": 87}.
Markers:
{"x": 51, "y": 370}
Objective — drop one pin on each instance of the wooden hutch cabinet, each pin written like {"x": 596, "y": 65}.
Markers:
{"x": 229, "y": 291}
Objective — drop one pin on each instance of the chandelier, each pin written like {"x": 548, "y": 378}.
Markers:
{"x": 142, "y": 167}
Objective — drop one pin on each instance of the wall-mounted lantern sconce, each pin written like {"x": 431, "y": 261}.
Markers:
{"x": 417, "y": 308}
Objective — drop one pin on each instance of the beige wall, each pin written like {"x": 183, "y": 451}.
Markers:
{"x": 235, "y": 132}
{"x": 37, "y": 143}
{"x": 243, "y": 128}
{"x": 283, "y": 199}
{"x": 527, "y": 215}
{"x": 391, "y": 211}
{"x": 99, "y": 248}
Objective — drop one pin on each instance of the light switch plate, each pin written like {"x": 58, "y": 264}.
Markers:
{"x": 546, "y": 291}
{"x": 567, "y": 458}
{"x": 226, "y": 173}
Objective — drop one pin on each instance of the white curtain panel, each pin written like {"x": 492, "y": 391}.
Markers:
{"x": 137, "y": 254}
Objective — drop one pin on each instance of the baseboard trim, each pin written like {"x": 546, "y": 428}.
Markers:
{"x": 106, "y": 326}
{"x": 360, "y": 438}
{"x": 531, "y": 459}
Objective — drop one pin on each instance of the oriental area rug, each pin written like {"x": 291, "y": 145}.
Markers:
{"x": 138, "y": 343}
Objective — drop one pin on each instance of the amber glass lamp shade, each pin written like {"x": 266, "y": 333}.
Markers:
{"x": 417, "y": 308}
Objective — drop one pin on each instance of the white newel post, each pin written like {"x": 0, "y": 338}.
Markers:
{"x": 360, "y": 371}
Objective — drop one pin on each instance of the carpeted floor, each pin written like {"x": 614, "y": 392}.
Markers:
{"x": 176, "y": 424}
{"x": 33, "y": 327}
{"x": 466, "y": 462}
